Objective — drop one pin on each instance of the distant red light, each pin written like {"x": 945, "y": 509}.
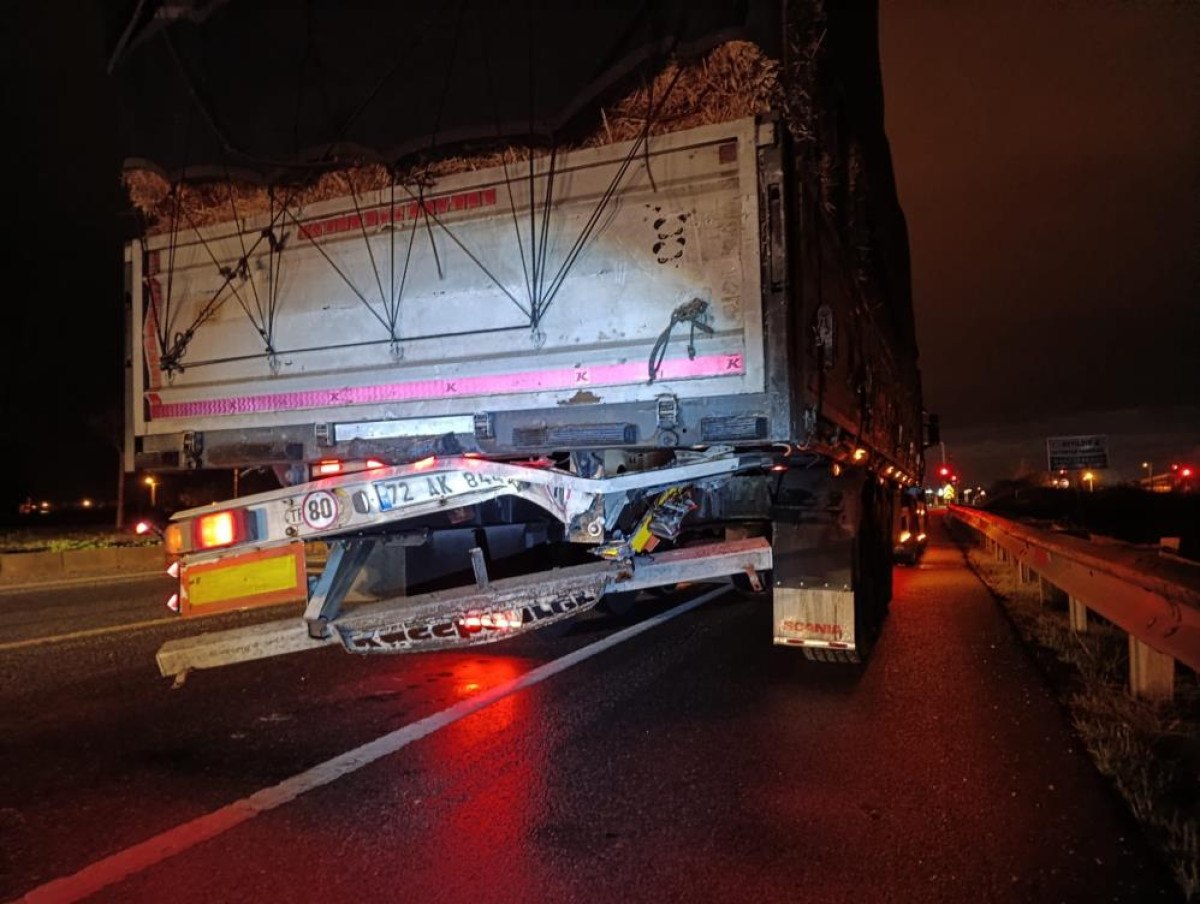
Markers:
{"x": 944, "y": 471}
{"x": 779, "y": 467}
{"x": 1185, "y": 472}
{"x": 142, "y": 527}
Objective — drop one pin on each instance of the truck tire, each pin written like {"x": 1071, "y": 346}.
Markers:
{"x": 871, "y": 577}
{"x": 845, "y": 657}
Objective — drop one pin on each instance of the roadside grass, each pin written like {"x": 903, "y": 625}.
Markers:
{"x": 59, "y": 539}
{"x": 1150, "y": 751}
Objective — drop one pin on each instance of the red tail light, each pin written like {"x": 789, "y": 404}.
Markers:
{"x": 327, "y": 468}
{"x": 509, "y": 619}
{"x": 219, "y": 529}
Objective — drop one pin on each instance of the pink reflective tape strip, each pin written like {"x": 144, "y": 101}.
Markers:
{"x": 501, "y": 384}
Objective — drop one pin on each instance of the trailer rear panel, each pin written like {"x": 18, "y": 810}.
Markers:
{"x": 463, "y": 309}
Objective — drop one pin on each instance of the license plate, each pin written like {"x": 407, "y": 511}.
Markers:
{"x": 405, "y": 491}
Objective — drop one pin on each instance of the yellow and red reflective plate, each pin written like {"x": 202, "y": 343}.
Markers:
{"x": 243, "y": 580}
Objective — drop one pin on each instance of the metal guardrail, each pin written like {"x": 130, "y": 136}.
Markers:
{"x": 1161, "y": 616}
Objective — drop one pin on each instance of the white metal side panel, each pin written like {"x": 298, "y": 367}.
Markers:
{"x": 419, "y": 304}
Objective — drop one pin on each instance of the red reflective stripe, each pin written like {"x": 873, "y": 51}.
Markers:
{"x": 498, "y": 384}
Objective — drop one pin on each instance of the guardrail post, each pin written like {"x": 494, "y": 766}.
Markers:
{"x": 1077, "y": 613}
{"x": 1151, "y": 673}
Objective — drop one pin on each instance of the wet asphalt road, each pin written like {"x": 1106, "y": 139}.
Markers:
{"x": 691, "y": 762}
{"x": 82, "y": 604}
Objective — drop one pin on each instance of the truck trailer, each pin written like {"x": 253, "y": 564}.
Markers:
{"x": 574, "y": 364}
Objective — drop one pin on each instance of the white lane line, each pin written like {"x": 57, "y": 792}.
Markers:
{"x": 140, "y": 857}
{"x": 91, "y": 632}
{"x": 61, "y": 583}
{"x": 127, "y": 626}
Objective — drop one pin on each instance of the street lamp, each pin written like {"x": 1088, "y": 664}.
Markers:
{"x": 153, "y": 484}
{"x": 1090, "y": 479}
{"x": 1149, "y": 474}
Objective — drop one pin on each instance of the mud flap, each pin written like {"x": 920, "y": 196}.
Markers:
{"x": 819, "y": 580}
{"x": 816, "y": 618}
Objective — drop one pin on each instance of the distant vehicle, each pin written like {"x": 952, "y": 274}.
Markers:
{"x": 911, "y": 536}
{"x": 693, "y": 338}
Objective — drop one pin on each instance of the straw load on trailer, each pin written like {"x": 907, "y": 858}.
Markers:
{"x": 733, "y": 81}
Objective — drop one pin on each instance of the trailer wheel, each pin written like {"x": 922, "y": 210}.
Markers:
{"x": 554, "y": 630}
{"x": 741, "y": 582}
{"x": 618, "y": 604}
{"x": 662, "y": 590}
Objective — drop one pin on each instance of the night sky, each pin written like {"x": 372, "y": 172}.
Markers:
{"x": 66, "y": 219}
{"x": 1048, "y": 160}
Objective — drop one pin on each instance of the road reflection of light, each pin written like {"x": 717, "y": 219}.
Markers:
{"x": 476, "y": 676}
{"x": 421, "y": 684}
{"x": 496, "y": 758}
{"x": 484, "y": 673}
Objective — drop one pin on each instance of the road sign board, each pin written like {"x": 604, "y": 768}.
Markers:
{"x": 1075, "y": 453}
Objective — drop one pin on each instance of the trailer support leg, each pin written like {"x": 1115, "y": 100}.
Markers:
{"x": 346, "y": 559}
{"x": 479, "y": 566}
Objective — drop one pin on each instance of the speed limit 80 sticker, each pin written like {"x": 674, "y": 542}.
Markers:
{"x": 320, "y": 509}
